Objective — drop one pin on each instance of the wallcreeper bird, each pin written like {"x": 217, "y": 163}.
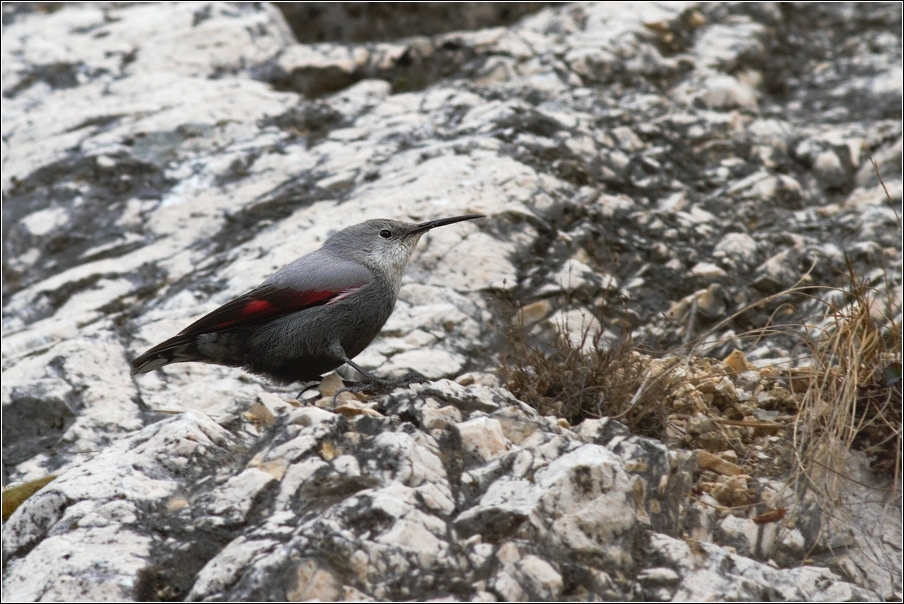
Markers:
{"x": 310, "y": 316}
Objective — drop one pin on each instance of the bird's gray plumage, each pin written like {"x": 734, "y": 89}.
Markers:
{"x": 312, "y": 315}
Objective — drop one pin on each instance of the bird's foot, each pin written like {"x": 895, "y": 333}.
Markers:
{"x": 382, "y": 385}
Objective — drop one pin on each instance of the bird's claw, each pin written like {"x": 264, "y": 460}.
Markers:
{"x": 307, "y": 387}
{"x": 411, "y": 378}
{"x": 382, "y": 385}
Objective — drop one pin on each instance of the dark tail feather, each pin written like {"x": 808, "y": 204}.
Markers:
{"x": 178, "y": 349}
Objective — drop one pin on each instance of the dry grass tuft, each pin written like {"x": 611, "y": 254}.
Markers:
{"x": 853, "y": 400}
{"x": 587, "y": 379}
{"x": 847, "y": 396}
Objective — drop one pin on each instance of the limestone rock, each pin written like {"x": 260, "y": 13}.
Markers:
{"x": 161, "y": 159}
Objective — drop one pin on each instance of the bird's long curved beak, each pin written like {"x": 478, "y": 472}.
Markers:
{"x": 432, "y": 224}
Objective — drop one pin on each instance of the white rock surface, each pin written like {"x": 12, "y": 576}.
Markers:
{"x": 85, "y": 536}
{"x": 160, "y": 159}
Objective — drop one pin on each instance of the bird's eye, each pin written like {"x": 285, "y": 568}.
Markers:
{"x": 386, "y": 234}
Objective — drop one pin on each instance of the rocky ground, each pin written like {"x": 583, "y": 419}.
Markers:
{"x": 645, "y": 169}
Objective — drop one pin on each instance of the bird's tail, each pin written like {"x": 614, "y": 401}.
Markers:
{"x": 178, "y": 349}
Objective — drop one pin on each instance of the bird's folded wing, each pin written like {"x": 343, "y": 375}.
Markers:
{"x": 307, "y": 282}
{"x": 262, "y": 304}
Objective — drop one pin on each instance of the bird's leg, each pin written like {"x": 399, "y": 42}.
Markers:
{"x": 373, "y": 383}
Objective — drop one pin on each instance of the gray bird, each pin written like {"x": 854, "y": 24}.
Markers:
{"x": 310, "y": 316}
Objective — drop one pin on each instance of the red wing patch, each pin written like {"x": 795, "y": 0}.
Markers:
{"x": 257, "y": 306}
{"x": 262, "y": 304}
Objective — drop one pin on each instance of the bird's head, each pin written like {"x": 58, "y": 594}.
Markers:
{"x": 385, "y": 245}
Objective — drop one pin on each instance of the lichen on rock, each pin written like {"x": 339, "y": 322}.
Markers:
{"x": 664, "y": 171}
